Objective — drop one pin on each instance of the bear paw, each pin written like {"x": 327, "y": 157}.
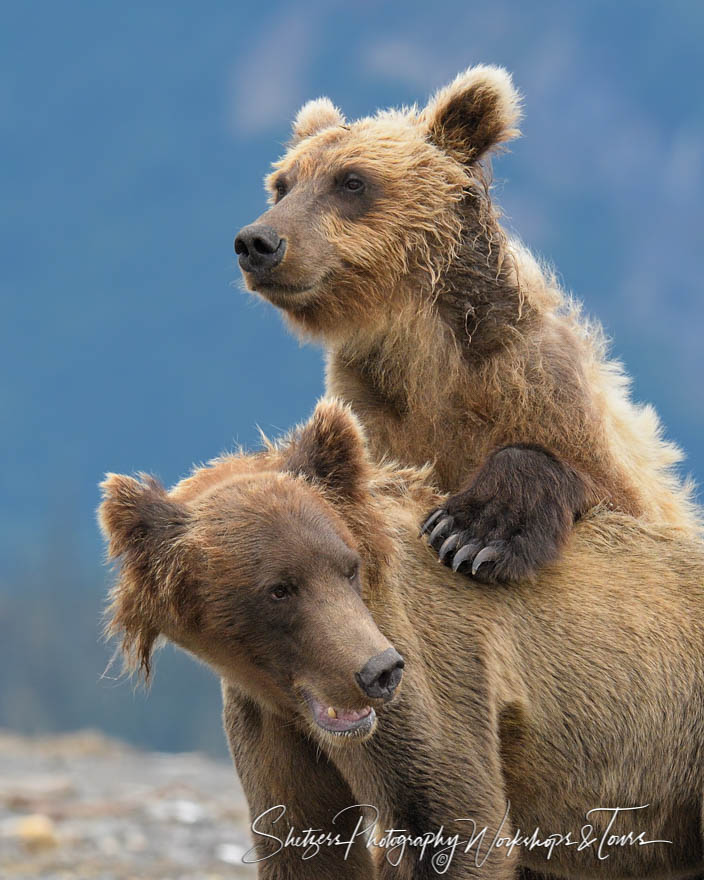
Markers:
{"x": 513, "y": 518}
{"x": 479, "y": 546}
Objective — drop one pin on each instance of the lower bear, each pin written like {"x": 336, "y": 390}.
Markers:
{"x": 389, "y": 719}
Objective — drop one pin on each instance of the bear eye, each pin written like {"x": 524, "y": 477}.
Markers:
{"x": 353, "y": 183}
{"x": 353, "y": 572}
{"x": 280, "y": 189}
{"x": 279, "y": 592}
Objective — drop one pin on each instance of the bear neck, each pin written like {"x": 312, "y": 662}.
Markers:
{"x": 433, "y": 340}
{"x": 479, "y": 297}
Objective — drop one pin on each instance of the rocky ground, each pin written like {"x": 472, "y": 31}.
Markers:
{"x": 83, "y": 806}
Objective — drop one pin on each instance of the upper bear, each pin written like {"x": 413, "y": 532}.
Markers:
{"x": 446, "y": 337}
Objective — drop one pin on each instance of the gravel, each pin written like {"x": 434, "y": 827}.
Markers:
{"x": 85, "y": 806}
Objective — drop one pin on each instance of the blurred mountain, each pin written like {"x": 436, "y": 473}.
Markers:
{"x": 134, "y": 138}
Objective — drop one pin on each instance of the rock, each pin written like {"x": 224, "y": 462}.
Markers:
{"x": 36, "y": 789}
{"x": 36, "y": 832}
{"x": 231, "y": 853}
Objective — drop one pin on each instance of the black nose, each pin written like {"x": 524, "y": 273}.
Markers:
{"x": 260, "y": 248}
{"x": 381, "y": 675}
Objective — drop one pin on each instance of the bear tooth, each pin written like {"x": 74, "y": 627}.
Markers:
{"x": 331, "y": 712}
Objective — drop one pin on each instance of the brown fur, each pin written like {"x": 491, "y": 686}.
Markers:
{"x": 445, "y": 336}
{"x": 583, "y": 690}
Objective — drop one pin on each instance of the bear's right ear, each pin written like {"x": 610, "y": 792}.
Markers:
{"x": 314, "y": 117}
{"x": 476, "y": 113}
{"x": 331, "y": 450}
{"x": 146, "y": 531}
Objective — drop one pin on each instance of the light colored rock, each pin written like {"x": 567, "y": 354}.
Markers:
{"x": 231, "y": 853}
{"x": 36, "y": 832}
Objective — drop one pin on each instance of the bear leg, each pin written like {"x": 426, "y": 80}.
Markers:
{"x": 291, "y": 786}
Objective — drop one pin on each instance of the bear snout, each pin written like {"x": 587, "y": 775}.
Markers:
{"x": 381, "y": 675}
{"x": 260, "y": 248}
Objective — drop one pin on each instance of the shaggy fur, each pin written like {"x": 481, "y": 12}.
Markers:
{"x": 445, "y": 336}
{"x": 581, "y": 691}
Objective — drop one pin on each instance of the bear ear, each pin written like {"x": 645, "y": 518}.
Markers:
{"x": 474, "y": 114}
{"x": 331, "y": 450}
{"x": 137, "y": 515}
{"x": 145, "y": 530}
{"x": 314, "y": 117}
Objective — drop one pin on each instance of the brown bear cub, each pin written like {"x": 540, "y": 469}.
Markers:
{"x": 565, "y": 715}
{"x": 449, "y": 341}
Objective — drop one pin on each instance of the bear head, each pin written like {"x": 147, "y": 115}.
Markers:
{"x": 251, "y": 565}
{"x": 358, "y": 208}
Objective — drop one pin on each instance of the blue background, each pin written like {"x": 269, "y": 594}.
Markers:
{"x": 133, "y": 142}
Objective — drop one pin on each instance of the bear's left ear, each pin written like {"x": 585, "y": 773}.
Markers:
{"x": 331, "y": 450}
{"x": 314, "y": 117}
{"x": 476, "y": 113}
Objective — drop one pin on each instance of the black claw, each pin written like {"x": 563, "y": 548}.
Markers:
{"x": 441, "y": 528}
{"x": 434, "y": 516}
{"x": 486, "y": 554}
{"x": 449, "y": 545}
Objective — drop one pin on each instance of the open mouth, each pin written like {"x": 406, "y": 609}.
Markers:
{"x": 341, "y": 722}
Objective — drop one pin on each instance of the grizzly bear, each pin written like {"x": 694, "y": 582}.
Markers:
{"x": 449, "y": 341}
{"x": 553, "y": 727}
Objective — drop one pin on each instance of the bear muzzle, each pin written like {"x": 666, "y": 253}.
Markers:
{"x": 378, "y": 679}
